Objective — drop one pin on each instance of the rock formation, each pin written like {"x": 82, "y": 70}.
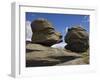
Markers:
{"x": 44, "y": 33}
{"x": 40, "y": 53}
{"x": 77, "y": 39}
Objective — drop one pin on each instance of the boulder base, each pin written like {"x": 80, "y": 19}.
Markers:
{"x": 39, "y": 55}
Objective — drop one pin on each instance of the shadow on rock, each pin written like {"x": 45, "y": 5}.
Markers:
{"x": 53, "y": 61}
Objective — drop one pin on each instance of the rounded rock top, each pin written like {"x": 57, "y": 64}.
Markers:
{"x": 41, "y": 24}
{"x": 77, "y": 28}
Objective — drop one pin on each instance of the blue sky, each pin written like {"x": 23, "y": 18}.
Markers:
{"x": 61, "y": 21}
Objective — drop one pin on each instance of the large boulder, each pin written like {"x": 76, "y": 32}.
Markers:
{"x": 39, "y": 55}
{"x": 77, "y": 39}
{"x": 44, "y": 33}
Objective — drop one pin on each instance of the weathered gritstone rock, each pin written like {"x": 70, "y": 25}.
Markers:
{"x": 77, "y": 39}
{"x": 40, "y": 24}
{"x": 78, "y": 61}
{"x": 39, "y": 55}
{"x": 44, "y": 33}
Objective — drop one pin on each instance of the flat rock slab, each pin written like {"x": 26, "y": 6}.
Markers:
{"x": 39, "y": 55}
{"x": 78, "y": 61}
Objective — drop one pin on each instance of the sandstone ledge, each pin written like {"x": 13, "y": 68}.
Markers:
{"x": 39, "y": 55}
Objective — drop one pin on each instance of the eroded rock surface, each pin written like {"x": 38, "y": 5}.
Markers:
{"x": 44, "y": 33}
{"x": 39, "y": 55}
{"x": 77, "y": 39}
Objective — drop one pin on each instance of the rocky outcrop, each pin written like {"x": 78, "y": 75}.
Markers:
{"x": 44, "y": 33}
{"x": 39, "y": 55}
{"x": 77, "y": 39}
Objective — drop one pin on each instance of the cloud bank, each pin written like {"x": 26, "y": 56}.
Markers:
{"x": 28, "y": 31}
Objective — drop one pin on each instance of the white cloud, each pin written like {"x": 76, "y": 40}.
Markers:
{"x": 28, "y": 31}
{"x": 59, "y": 45}
{"x": 66, "y": 30}
{"x": 85, "y": 19}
